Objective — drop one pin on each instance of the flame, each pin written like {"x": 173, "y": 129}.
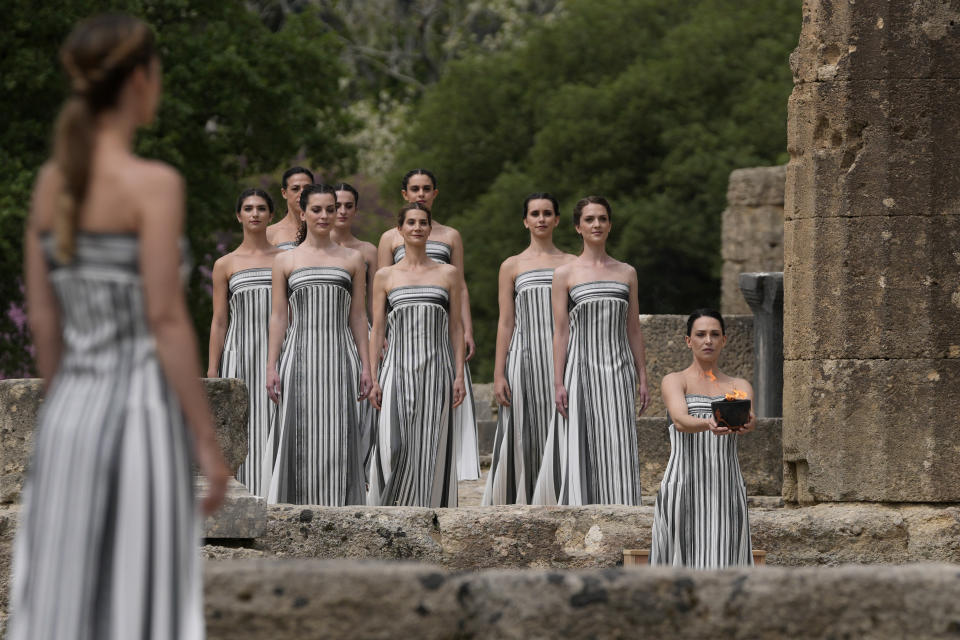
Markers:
{"x": 736, "y": 394}
{"x": 708, "y": 374}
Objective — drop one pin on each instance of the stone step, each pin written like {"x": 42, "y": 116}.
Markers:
{"x": 280, "y": 599}
{"x": 242, "y": 516}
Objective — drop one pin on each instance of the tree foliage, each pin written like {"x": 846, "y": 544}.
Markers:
{"x": 649, "y": 103}
{"x": 239, "y": 100}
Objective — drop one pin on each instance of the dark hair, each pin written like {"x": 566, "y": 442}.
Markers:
{"x": 309, "y": 190}
{"x": 412, "y": 206}
{"x": 343, "y": 186}
{"x": 583, "y": 202}
{"x": 292, "y": 171}
{"x": 246, "y": 193}
{"x": 705, "y": 312}
{"x": 99, "y": 55}
{"x": 418, "y": 172}
{"x": 541, "y": 195}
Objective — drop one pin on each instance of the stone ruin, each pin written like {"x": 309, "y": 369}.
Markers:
{"x": 871, "y": 365}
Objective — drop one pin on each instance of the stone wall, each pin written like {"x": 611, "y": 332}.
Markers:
{"x": 752, "y": 232}
{"x": 257, "y": 599}
{"x": 872, "y": 267}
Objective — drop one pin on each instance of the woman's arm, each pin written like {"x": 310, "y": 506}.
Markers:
{"x": 161, "y": 225}
{"x": 358, "y": 324}
{"x": 637, "y": 346}
{"x": 372, "y": 258}
{"x": 456, "y": 244}
{"x": 675, "y": 400}
{"x": 376, "y": 334}
{"x": 456, "y": 335}
{"x": 43, "y": 310}
{"x": 501, "y": 387}
{"x": 218, "y": 325}
{"x": 561, "y": 335}
{"x": 385, "y": 249}
{"x": 278, "y": 322}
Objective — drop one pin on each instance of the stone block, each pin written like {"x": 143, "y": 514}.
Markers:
{"x": 757, "y": 186}
{"x": 260, "y": 598}
{"x": 761, "y": 456}
{"x": 484, "y": 402}
{"x": 486, "y": 433}
{"x": 752, "y": 241}
{"x": 869, "y": 287}
{"x": 877, "y": 39}
{"x": 873, "y": 148}
{"x": 20, "y": 402}
{"x": 877, "y": 430}
{"x": 667, "y": 351}
{"x": 242, "y": 516}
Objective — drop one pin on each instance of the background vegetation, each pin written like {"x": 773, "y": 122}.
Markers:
{"x": 649, "y": 102}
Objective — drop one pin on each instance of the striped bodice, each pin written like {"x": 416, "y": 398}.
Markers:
{"x": 286, "y": 246}
{"x": 700, "y": 406}
{"x": 436, "y": 250}
{"x": 533, "y": 328}
{"x": 320, "y": 298}
{"x": 598, "y": 290}
{"x": 532, "y": 280}
{"x": 405, "y": 296}
{"x": 247, "y": 280}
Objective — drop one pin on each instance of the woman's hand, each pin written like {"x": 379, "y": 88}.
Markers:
{"x": 459, "y": 391}
{"x": 718, "y": 429}
{"x": 501, "y": 390}
{"x": 366, "y": 383}
{"x": 750, "y": 425}
{"x": 560, "y": 393}
{"x": 273, "y": 384}
{"x": 643, "y": 396}
{"x": 214, "y": 467}
{"x": 471, "y": 346}
{"x": 375, "y": 395}
{"x": 213, "y": 373}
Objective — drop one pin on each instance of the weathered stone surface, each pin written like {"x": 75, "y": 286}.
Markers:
{"x": 243, "y": 515}
{"x": 877, "y": 39}
{"x": 871, "y": 266}
{"x": 20, "y": 402}
{"x": 484, "y": 402}
{"x": 752, "y": 230}
{"x": 877, "y": 429}
{"x": 667, "y": 351}
{"x": 339, "y": 599}
{"x": 761, "y": 455}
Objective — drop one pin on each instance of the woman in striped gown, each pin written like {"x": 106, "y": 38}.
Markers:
{"x": 313, "y": 450}
{"x": 599, "y": 359}
{"x": 700, "y": 519}
{"x": 284, "y": 233}
{"x": 238, "y": 349}
{"x": 348, "y": 199}
{"x": 444, "y": 245}
{"x": 106, "y": 542}
{"x": 523, "y": 372}
{"x": 421, "y": 377}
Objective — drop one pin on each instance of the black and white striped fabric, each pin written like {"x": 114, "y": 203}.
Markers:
{"x": 413, "y": 461}
{"x": 522, "y": 427}
{"x": 592, "y": 457}
{"x": 286, "y": 246}
{"x": 700, "y": 519}
{"x": 313, "y": 449}
{"x": 464, "y": 416}
{"x": 106, "y": 546}
{"x": 245, "y": 357}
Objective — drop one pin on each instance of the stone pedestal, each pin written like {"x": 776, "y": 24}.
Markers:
{"x": 872, "y": 254}
{"x": 764, "y": 293}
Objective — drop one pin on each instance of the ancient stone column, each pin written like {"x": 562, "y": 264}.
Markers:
{"x": 764, "y": 293}
{"x": 872, "y": 254}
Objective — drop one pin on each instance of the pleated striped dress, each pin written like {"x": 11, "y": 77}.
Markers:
{"x": 464, "y": 416}
{"x": 591, "y": 458}
{"x": 700, "y": 519}
{"x": 245, "y": 357}
{"x": 107, "y": 541}
{"x": 522, "y": 427}
{"x": 413, "y": 461}
{"x": 313, "y": 450}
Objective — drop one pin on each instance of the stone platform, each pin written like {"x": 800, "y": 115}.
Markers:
{"x": 341, "y": 599}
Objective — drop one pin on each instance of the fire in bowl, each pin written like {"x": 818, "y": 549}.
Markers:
{"x": 731, "y": 413}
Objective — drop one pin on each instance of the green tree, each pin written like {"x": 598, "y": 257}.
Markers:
{"x": 239, "y": 100}
{"x": 649, "y": 103}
